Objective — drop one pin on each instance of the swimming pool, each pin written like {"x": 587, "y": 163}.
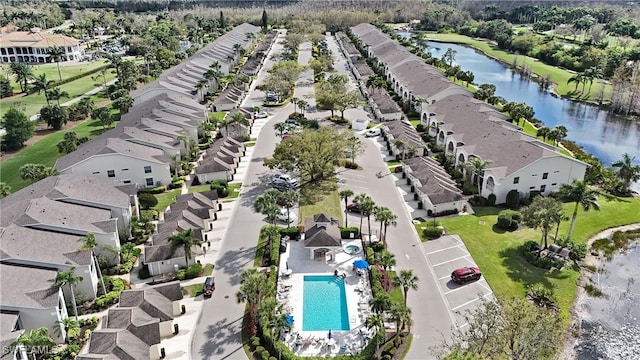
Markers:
{"x": 352, "y": 249}
{"x": 324, "y": 304}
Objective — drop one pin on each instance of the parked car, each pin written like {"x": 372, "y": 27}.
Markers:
{"x": 260, "y": 115}
{"x": 372, "y": 133}
{"x": 283, "y": 215}
{"x": 209, "y": 286}
{"x": 466, "y": 274}
{"x": 353, "y": 207}
{"x": 281, "y": 177}
{"x": 285, "y": 185}
{"x": 292, "y": 122}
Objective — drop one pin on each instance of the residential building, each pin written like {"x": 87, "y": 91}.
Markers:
{"x": 158, "y": 301}
{"x": 403, "y": 140}
{"x": 10, "y": 329}
{"x": 33, "y": 47}
{"x": 220, "y": 161}
{"x": 432, "y": 186}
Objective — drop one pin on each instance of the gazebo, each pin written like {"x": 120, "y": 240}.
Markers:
{"x": 322, "y": 237}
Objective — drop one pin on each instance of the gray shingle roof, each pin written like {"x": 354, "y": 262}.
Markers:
{"x": 24, "y": 243}
{"x": 321, "y": 230}
{"x": 26, "y": 286}
{"x": 119, "y": 343}
{"x": 136, "y": 321}
{"x": 156, "y": 301}
{"x": 212, "y": 165}
{"x": 436, "y": 183}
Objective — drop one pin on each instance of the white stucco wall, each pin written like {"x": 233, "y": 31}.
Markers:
{"x": 125, "y": 168}
{"x": 220, "y": 175}
{"x": 167, "y": 266}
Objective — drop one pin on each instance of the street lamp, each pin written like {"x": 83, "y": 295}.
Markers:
{"x": 435, "y": 210}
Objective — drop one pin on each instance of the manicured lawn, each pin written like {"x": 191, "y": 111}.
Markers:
{"x": 503, "y": 267}
{"x": 167, "y": 198}
{"x": 217, "y": 116}
{"x": 234, "y": 190}
{"x": 194, "y": 290}
{"x": 250, "y": 144}
{"x": 199, "y": 188}
{"x": 320, "y": 197}
{"x": 43, "y": 152}
{"x": 51, "y": 70}
{"x": 557, "y": 75}
{"x": 530, "y": 129}
{"x": 32, "y": 103}
{"x": 395, "y": 294}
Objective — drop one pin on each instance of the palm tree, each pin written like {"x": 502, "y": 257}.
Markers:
{"x": 289, "y": 198}
{"x": 543, "y": 132}
{"x": 239, "y": 118}
{"x": 56, "y": 53}
{"x": 386, "y": 217}
{"x": 581, "y": 194}
{"x": 449, "y": 56}
{"x": 475, "y": 166}
{"x": 345, "y": 195}
{"x": 406, "y": 280}
{"x": 57, "y": 94}
{"x": 267, "y": 205}
{"x": 302, "y": 105}
{"x": 380, "y": 303}
{"x": 387, "y": 260}
{"x": 34, "y": 341}
{"x": 69, "y": 278}
{"x": 399, "y": 144}
{"x": 280, "y": 127}
{"x": 254, "y": 288}
{"x": 184, "y": 240}
{"x": 627, "y": 172}
{"x": 89, "y": 242}
{"x": 375, "y": 322}
{"x": 40, "y": 83}
{"x": 399, "y": 314}
{"x": 66, "y": 324}
{"x": 269, "y": 232}
{"x": 577, "y": 79}
{"x": 366, "y": 205}
{"x": 294, "y": 101}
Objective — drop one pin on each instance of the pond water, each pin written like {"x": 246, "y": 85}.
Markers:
{"x": 601, "y": 133}
{"x": 610, "y": 326}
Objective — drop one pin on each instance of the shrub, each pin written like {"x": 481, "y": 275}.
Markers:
{"x": 147, "y": 200}
{"x": 105, "y": 301}
{"x": 292, "y": 232}
{"x": 513, "y": 199}
{"x": 265, "y": 355}
{"x": 491, "y": 199}
{"x": 175, "y": 185}
{"x": 191, "y": 272}
{"x": 432, "y": 232}
{"x": 144, "y": 273}
{"x": 221, "y": 188}
{"x": 345, "y": 232}
{"x": 469, "y": 189}
{"x": 421, "y": 128}
{"x": 259, "y": 349}
{"x": 508, "y": 219}
{"x": 155, "y": 190}
{"x": 255, "y": 342}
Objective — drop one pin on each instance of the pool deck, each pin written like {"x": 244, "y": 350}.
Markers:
{"x": 358, "y": 293}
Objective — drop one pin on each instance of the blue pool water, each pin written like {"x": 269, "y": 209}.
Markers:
{"x": 324, "y": 304}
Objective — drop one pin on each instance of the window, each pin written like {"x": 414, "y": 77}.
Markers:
{"x": 149, "y": 181}
{"x": 111, "y": 173}
{"x": 124, "y": 169}
{"x": 545, "y": 176}
{"x": 147, "y": 169}
{"x": 554, "y": 184}
{"x": 543, "y": 188}
{"x": 126, "y": 181}
{"x": 516, "y": 179}
{"x": 95, "y": 172}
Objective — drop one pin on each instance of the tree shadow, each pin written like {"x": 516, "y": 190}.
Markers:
{"x": 313, "y": 191}
{"x": 498, "y": 230}
{"x": 521, "y": 271}
{"x": 611, "y": 197}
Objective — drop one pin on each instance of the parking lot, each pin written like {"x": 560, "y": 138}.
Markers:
{"x": 446, "y": 254}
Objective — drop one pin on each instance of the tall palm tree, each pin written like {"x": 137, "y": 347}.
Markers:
{"x": 56, "y": 94}
{"x": 386, "y": 217}
{"x": 380, "y": 303}
{"x": 56, "y": 53}
{"x": 269, "y": 232}
{"x": 302, "y": 105}
{"x": 387, "y": 260}
{"x": 475, "y": 166}
{"x": 239, "y": 118}
{"x": 254, "y": 288}
{"x": 40, "y": 83}
{"x": 345, "y": 195}
{"x": 627, "y": 172}
{"x": 184, "y": 240}
{"x": 375, "y": 322}
{"x": 34, "y": 341}
{"x": 366, "y": 209}
{"x": 361, "y": 199}
{"x": 89, "y": 242}
{"x": 294, "y": 101}
{"x": 406, "y": 280}
{"x": 280, "y": 127}
{"x": 581, "y": 194}
{"x": 22, "y": 72}
{"x": 289, "y": 198}
{"x": 399, "y": 314}
{"x": 70, "y": 279}
{"x": 267, "y": 205}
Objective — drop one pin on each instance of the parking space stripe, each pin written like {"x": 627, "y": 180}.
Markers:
{"x": 454, "y": 259}
{"x": 450, "y": 247}
{"x": 465, "y": 304}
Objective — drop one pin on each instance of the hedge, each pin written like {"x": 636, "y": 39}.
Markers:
{"x": 432, "y": 232}
{"x": 508, "y": 219}
{"x": 345, "y": 232}
{"x": 292, "y": 232}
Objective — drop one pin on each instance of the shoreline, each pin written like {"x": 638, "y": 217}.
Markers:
{"x": 572, "y": 333}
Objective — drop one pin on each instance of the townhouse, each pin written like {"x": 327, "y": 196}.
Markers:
{"x": 41, "y": 231}
{"x": 220, "y": 161}
{"x": 467, "y": 128}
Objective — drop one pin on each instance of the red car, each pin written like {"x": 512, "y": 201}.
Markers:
{"x": 353, "y": 207}
{"x": 466, "y": 274}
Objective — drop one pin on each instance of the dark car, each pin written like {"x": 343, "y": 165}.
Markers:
{"x": 466, "y": 274}
{"x": 209, "y": 286}
{"x": 353, "y": 207}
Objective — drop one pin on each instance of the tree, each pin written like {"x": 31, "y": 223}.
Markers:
{"x": 354, "y": 147}
{"x": 22, "y": 72}
{"x": 386, "y": 217}
{"x": 377, "y": 322}
{"x": 265, "y": 20}
{"x": 89, "y": 242}
{"x": 543, "y": 213}
{"x": 36, "y": 342}
{"x": 312, "y": 153}
{"x": 366, "y": 205}
{"x": 475, "y": 166}
{"x": 54, "y": 115}
{"x": 627, "y": 172}
{"x": 349, "y": 100}
{"x": 280, "y": 127}
{"x": 5, "y": 87}
{"x": 184, "y": 240}
{"x": 294, "y": 101}
{"x": 104, "y": 115}
{"x": 581, "y": 194}
{"x": 270, "y": 232}
{"x": 267, "y": 204}
{"x": 70, "y": 279}
{"x": 123, "y": 103}
{"x": 56, "y": 53}
{"x": 70, "y": 142}
{"x": 36, "y": 172}
{"x": 5, "y": 189}
{"x": 380, "y": 303}
{"x": 254, "y": 288}
{"x": 18, "y": 129}
{"x": 302, "y": 105}
{"x": 288, "y": 199}
{"x": 399, "y": 314}
{"x": 543, "y": 132}
{"x": 57, "y": 94}
{"x": 239, "y": 118}
{"x": 40, "y": 83}
{"x": 406, "y": 280}
{"x": 510, "y": 328}
{"x": 345, "y": 195}
{"x": 449, "y": 56}
{"x": 519, "y": 111}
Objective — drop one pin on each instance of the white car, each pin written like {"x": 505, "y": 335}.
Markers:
{"x": 372, "y": 133}
{"x": 283, "y": 215}
{"x": 260, "y": 115}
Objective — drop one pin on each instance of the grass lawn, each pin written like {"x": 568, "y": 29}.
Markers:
{"x": 234, "y": 190}
{"x": 320, "y": 197}
{"x": 165, "y": 199}
{"x": 217, "y": 116}
{"x": 199, "y": 188}
{"x": 250, "y": 144}
{"x": 32, "y": 103}
{"x": 395, "y": 294}
{"x": 51, "y": 71}
{"x": 530, "y": 129}
{"x": 557, "y": 75}
{"x": 193, "y": 290}
{"x": 507, "y": 272}
{"x": 43, "y": 152}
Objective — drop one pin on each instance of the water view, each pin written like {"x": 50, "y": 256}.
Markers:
{"x": 603, "y": 134}
{"x": 611, "y": 325}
